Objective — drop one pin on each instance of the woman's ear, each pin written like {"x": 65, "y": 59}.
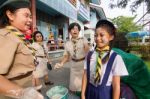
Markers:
{"x": 10, "y": 15}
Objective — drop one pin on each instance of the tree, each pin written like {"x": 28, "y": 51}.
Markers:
{"x": 126, "y": 24}
{"x": 134, "y": 5}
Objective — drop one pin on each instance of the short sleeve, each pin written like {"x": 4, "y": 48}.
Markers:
{"x": 7, "y": 53}
{"x": 34, "y": 45}
{"x": 66, "y": 52}
{"x": 119, "y": 68}
{"x": 85, "y": 40}
{"x": 85, "y": 63}
{"x": 45, "y": 46}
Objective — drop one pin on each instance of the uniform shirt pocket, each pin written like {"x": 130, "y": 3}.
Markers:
{"x": 26, "y": 51}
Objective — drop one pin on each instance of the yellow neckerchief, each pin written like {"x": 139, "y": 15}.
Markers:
{"x": 106, "y": 48}
{"x": 21, "y": 36}
{"x": 99, "y": 62}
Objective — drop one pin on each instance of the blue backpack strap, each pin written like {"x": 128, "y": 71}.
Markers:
{"x": 88, "y": 64}
{"x": 108, "y": 68}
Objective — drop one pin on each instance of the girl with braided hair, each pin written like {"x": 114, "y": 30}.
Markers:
{"x": 103, "y": 67}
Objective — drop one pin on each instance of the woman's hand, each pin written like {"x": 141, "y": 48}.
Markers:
{"x": 58, "y": 65}
{"x": 30, "y": 93}
{"x": 49, "y": 61}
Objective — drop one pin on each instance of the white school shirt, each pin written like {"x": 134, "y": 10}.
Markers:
{"x": 118, "y": 68}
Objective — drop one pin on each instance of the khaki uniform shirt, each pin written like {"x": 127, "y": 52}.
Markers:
{"x": 16, "y": 60}
{"x": 41, "y": 68}
{"x": 80, "y": 44}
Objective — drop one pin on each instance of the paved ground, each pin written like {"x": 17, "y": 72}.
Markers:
{"x": 59, "y": 77}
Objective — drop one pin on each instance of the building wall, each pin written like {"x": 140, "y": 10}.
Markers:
{"x": 47, "y": 23}
{"x": 93, "y": 19}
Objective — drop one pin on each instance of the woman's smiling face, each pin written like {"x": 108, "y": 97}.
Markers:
{"x": 20, "y": 19}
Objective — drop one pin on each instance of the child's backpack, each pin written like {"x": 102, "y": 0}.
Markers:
{"x": 125, "y": 91}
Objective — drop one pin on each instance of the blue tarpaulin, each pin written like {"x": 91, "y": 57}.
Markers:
{"x": 138, "y": 34}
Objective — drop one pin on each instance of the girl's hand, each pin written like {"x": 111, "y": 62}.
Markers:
{"x": 82, "y": 96}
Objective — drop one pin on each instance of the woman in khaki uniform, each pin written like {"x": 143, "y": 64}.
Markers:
{"x": 75, "y": 50}
{"x": 42, "y": 57}
{"x": 16, "y": 59}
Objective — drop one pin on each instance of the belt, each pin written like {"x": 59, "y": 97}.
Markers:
{"x": 21, "y": 76}
{"x": 78, "y": 60}
{"x": 41, "y": 56}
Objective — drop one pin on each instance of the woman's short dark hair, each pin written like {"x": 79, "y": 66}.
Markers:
{"x": 12, "y": 6}
{"x": 35, "y": 33}
{"x": 71, "y": 26}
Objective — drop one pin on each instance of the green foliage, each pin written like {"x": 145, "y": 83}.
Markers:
{"x": 148, "y": 64}
{"x": 145, "y": 50}
{"x": 135, "y": 48}
{"x": 126, "y": 24}
{"x": 121, "y": 42}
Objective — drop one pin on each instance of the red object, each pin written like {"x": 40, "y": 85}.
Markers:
{"x": 28, "y": 35}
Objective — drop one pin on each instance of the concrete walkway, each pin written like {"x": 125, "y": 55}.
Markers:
{"x": 59, "y": 77}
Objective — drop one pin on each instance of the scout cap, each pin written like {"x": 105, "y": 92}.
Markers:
{"x": 12, "y": 1}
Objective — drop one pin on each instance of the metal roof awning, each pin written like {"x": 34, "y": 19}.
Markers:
{"x": 99, "y": 10}
{"x": 96, "y": 1}
{"x": 55, "y": 7}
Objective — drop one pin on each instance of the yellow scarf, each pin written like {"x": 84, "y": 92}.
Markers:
{"x": 99, "y": 63}
{"x": 21, "y": 36}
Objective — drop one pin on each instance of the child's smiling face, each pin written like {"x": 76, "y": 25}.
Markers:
{"x": 102, "y": 37}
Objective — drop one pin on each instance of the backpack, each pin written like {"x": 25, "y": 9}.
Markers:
{"x": 125, "y": 91}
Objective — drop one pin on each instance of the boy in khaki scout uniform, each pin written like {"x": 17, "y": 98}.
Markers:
{"x": 75, "y": 50}
{"x": 16, "y": 59}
